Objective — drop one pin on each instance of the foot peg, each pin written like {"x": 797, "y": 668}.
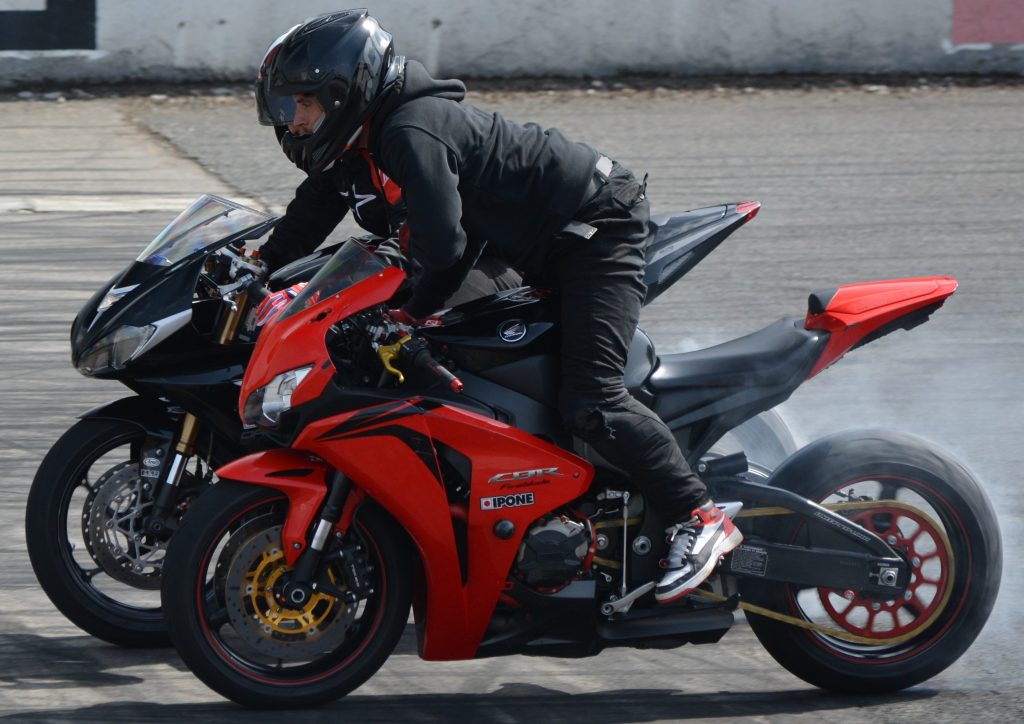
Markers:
{"x": 621, "y": 605}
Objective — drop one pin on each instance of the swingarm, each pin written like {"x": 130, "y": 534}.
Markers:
{"x": 831, "y": 553}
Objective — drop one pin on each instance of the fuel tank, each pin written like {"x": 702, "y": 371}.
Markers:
{"x": 512, "y": 339}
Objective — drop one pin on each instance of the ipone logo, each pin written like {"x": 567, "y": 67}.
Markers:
{"x": 515, "y": 500}
{"x": 523, "y": 475}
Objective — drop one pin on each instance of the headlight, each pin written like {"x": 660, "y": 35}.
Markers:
{"x": 115, "y": 350}
{"x": 265, "y": 405}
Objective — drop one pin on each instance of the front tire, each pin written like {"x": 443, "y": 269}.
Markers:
{"x": 942, "y": 523}
{"x": 230, "y": 631}
{"x": 84, "y": 510}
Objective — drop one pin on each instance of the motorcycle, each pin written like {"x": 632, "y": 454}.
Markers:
{"x": 426, "y": 468}
{"x": 175, "y": 328}
{"x": 111, "y": 491}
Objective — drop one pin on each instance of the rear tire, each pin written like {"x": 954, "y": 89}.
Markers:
{"x": 952, "y": 590}
{"x": 217, "y": 588}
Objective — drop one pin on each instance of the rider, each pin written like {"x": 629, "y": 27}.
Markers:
{"x": 566, "y": 216}
{"x": 354, "y": 183}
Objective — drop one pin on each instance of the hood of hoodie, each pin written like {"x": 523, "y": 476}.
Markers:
{"x": 417, "y": 83}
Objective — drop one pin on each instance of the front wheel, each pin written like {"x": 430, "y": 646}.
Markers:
{"x": 85, "y": 531}
{"x": 933, "y": 512}
{"x": 224, "y": 569}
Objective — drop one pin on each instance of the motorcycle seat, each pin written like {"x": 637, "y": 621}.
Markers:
{"x": 766, "y": 358}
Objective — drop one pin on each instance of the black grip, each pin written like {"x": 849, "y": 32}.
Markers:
{"x": 423, "y": 360}
{"x": 257, "y": 292}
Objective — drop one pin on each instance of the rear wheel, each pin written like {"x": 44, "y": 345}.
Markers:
{"x": 933, "y": 512}
{"x": 223, "y": 570}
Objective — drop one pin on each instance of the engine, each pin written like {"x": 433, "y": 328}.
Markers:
{"x": 553, "y": 552}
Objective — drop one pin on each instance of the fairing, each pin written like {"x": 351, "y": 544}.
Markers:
{"x": 678, "y": 242}
{"x": 299, "y": 335}
{"x": 390, "y": 452}
{"x": 159, "y": 287}
{"x": 857, "y": 313}
{"x": 208, "y": 221}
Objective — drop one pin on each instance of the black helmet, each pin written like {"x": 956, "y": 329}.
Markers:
{"x": 344, "y": 59}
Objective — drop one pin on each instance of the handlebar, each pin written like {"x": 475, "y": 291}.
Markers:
{"x": 422, "y": 359}
{"x": 414, "y": 351}
{"x": 257, "y": 292}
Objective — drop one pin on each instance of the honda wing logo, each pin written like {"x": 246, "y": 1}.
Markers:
{"x": 512, "y": 331}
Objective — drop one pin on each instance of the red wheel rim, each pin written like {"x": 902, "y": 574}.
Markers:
{"x": 914, "y": 536}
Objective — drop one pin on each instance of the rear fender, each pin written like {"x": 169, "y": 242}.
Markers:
{"x": 300, "y": 476}
{"x": 856, "y": 314}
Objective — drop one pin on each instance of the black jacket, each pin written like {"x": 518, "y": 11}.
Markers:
{"x": 470, "y": 176}
{"x": 319, "y": 206}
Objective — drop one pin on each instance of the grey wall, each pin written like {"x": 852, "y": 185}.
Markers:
{"x": 104, "y": 40}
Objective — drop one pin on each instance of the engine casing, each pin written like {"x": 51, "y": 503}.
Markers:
{"x": 553, "y": 552}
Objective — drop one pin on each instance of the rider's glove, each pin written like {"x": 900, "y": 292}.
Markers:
{"x": 274, "y": 304}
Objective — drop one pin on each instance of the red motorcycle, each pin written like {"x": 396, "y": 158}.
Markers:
{"x": 428, "y": 468}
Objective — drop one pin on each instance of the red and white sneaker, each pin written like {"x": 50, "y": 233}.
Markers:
{"x": 697, "y": 546}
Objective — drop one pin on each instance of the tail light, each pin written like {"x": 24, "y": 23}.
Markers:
{"x": 748, "y": 208}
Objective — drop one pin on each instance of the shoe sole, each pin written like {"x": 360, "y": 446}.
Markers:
{"x": 734, "y": 539}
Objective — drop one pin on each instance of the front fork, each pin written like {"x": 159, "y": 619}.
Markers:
{"x": 163, "y": 521}
{"x": 336, "y": 516}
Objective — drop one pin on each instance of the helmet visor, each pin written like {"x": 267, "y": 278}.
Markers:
{"x": 273, "y": 110}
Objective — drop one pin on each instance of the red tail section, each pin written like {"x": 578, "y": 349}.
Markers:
{"x": 858, "y": 313}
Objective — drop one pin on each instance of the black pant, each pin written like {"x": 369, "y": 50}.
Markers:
{"x": 600, "y": 282}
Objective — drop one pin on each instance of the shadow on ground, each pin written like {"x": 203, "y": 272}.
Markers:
{"x": 510, "y": 703}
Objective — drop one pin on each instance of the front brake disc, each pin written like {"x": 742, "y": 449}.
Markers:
{"x": 294, "y": 635}
{"x": 113, "y": 525}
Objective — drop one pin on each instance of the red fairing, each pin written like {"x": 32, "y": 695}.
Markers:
{"x": 389, "y": 451}
{"x": 858, "y": 310}
{"x": 300, "y": 476}
{"x": 299, "y": 340}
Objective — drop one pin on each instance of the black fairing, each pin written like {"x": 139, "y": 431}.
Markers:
{"x": 301, "y": 270}
{"x": 708, "y": 392}
{"x": 679, "y": 241}
{"x": 160, "y": 292}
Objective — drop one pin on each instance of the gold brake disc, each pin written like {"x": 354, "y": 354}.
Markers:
{"x": 835, "y": 631}
{"x": 258, "y": 587}
{"x": 253, "y": 568}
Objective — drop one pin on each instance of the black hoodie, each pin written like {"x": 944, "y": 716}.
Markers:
{"x": 468, "y": 177}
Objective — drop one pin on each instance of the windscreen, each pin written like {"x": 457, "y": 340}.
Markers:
{"x": 208, "y": 220}
{"x": 351, "y": 263}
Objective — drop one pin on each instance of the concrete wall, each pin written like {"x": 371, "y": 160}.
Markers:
{"x": 104, "y": 40}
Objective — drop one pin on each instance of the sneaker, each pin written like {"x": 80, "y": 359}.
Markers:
{"x": 696, "y": 547}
